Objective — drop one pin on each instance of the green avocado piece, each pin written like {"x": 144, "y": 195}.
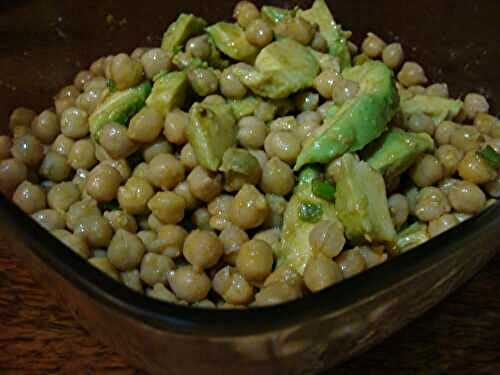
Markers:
{"x": 303, "y": 211}
{"x": 244, "y": 107}
{"x": 230, "y": 39}
{"x": 211, "y": 131}
{"x": 186, "y": 26}
{"x": 359, "y": 120}
{"x": 240, "y": 167}
{"x": 275, "y": 15}
{"x": 361, "y": 203}
{"x": 412, "y": 236}
{"x": 169, "y": 91}
{"x": 320, "y": 14}
{"x": 118, "y": 107}
{"x": 396, "y": 151}
{"x": 436, "y": 107}
{"x": 282, "y": 68}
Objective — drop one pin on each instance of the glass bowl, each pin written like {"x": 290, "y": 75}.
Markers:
{"x": 43, "y": 43}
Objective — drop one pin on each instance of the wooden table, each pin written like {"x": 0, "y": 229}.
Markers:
{"x": 460, "y": 336}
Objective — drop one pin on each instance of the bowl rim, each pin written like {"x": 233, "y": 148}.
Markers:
{"x": 235, "y": 322}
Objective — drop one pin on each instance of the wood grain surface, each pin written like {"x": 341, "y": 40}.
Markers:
{"x": 459, "y": 336}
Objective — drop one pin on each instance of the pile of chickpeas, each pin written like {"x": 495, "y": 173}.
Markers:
{"x": 137, "y": 204}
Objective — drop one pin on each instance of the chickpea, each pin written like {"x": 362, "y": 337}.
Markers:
{"x": 431, "y": 203}
{"x": 230, "y": 86}
{"x": 372, "y": 257}
{"x": 174, "y": 127}
{"x": 138, "y": 52}
{"x": 444, "y": 132}
{"x": 203, "y": 81}
{"x": 132, "y": 280}
{"x": 45, "y": 127}
{"x": 283, "y": 145}
{"x": 75, "y": 243}
{"x": 102, "y": 183}
{"x": 325, "y": 81}
{"x": 145, "y": 126}
{"x": 61, "y": 196}
{"x": 114, "y": 139}
{"x": 321, "y": 272}
{"x": 399, "y": 209}
{"x": 202, "y": 249}
{"x": 161, "y": 293}
{"x": 21, "y": 117}
{"x": 50, "y": 219}
{"x": 437, "y": 89}
{"x": 466, "y": 138}
{"x": 259, "y": 33}
{"x": 421, "y": 123}
{"x": 412, "y": 74}
{"x": 441, "y": 224}
{"x": 493, "y": 187}
{"x": 319, "y": 43}
{"x": 83, "y": 208}
{"x": 475, "y": 169}
{"x": 171, "y": 239}
{"x": 154, "y": 223}
{"x": 89, "y": 99}
{"x": 426, "y": 171}
{"x": 204, "y": 184}
{"x": 373, "y": 46}
{"x": 29, "y": 197}
{"x": 55, "y": 167}
{"x": 296, "y": 28}
{"x": 232, "y": 286}
{"x": 485, "y": 123}
{"x": 188, "y": 284}
{"x": 70, "y": 91}
{"x": 265, "y": 111}
{"x": 125, "y": 250}
{"x": 5, "y": 146}
{"x": 276, "y": 293}
{"x": 286, "y": 123}
{"x": 155, "y": 268}
{"x": 232, "y": 237}
{"x": 121, "y": 220}
{"x": 82, "y": 154}
{"x": 466, "y": 197}
{"x": 125, "y": 71}
{"x": 351, "y": 262}
{"x": 343, "y": 90}
{"x": 28, "y": 150}
{"x": 121, "y": 166}
{"x": 449, "y": 157}
{"x": 82, "y": 78}
{"x": 62, "y": 145}
{"x": 272, "y": 236}
{"x": 249, "y": 208}
{"x": 134, "y": 196}
{"x": 307, "y": 101}
{"x": 199, "y": 47}
{"x": 95, "y": 230}
{"x": 255, "y": 260}
{"x": 327, "y": 237}
{"x": 252, "y": 132}
{"x": 62, "y": 104}
{"x": 165, "y": 171}
{"x": 12, "y": 173}
{"x": 154, "y": 61}
{"x": 96, "y": 84}
{"x": 168, "y": 207}
{"x": 74, "y": 123}
{"x": 161, "y": 146}
{"x": 475, "y": 103}
{"x": 201, "y": 218}
{"x": 393, "y": 55}
{"x": 188, "y": 157}
{"x": 245, "y": 12}
{"x": 97, "y": 67}
{"x": 141, "y": 170}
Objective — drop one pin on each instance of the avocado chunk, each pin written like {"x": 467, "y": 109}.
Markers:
{"x": 358, "y": 121}
{"x": 396, "y": 151}
{"x": 282, "y": 68}
{"x": 275, "y": 15}
{"x": 118, "y": 107}
{"x": 361, "y": 203}
{"x": 303, "y": 211}
{"x": 169, "y": 91}
{"x": 240, "y": 167}
{"x": 244, "y": 107}
{"x": 332, "y": 32}
{"x": 186, "y": 26}
{"x": 412, "y": 236}
{"x": 230, "y": 39}
{"x": 436, "y": 107}
{"x": 211, "y": 131}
